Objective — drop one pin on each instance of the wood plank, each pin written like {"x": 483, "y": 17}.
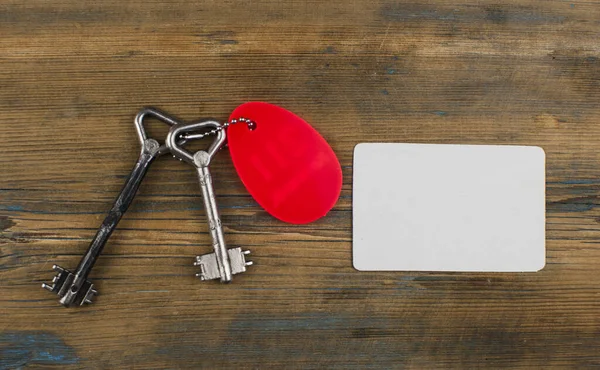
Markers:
{"x": 74, "y": 74}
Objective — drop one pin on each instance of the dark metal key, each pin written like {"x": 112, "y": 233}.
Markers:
{"x": 73, "y": 288}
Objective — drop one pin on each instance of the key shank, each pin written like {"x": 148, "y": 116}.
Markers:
{"x": 119, "y": 207}
{"x": 74, "y": 288}
{"x": 109, "y": 224}
{"x": 212, "y": 213}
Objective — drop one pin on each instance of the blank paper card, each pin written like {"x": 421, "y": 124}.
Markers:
{"x": 438, "y": 207}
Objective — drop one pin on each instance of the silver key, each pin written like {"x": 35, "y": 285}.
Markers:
{"x": 223, "y": 262}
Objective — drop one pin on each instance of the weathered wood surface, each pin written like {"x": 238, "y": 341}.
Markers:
{"x": 73, "y": 74}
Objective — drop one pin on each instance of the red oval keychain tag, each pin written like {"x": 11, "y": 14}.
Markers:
{"x": 285, "y": 164}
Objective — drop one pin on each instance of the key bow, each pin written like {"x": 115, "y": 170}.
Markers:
{"x": 201, "y": 158}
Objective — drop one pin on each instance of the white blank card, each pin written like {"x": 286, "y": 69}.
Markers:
{"x": 433, "y": 207}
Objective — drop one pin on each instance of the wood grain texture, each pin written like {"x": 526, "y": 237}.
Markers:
{"x": 73, "y": 74}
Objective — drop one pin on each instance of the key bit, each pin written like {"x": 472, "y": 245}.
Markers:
{"x": 223, "y": 263}
{"x": 209, "y": 267}
{"x": 68, "y": 292}
{"x": 73, "y": 288}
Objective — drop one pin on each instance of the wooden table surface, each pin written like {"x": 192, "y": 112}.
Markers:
{"x": 74, "y": 74}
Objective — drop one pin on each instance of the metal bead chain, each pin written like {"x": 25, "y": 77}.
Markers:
{"x": 250, "y": 123}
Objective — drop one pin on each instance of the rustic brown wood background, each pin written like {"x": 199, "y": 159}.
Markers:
{"x": 73, "y": 75}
